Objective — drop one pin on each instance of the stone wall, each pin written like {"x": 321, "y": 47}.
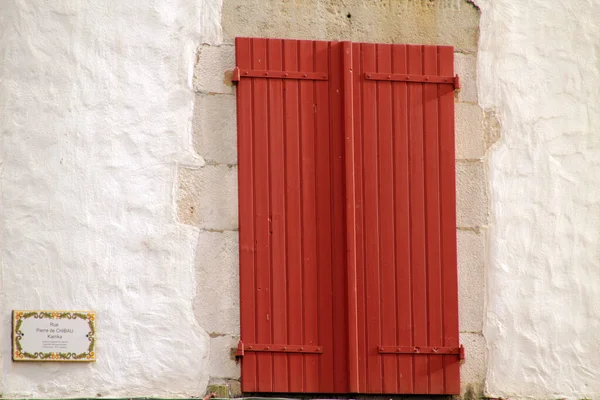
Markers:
{"x": 207, "y": 195}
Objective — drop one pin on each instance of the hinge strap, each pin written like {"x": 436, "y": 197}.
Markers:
{"x": 373, "y": 76}
{"x": 248, "y": 73}
{"x": 276, "y": 348}
{"x": 424, "y": 350}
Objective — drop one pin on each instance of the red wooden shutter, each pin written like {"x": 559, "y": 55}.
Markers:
{"x": 347, "y": 218}
{"x": 405, "y": 219}
{"x": 292, "y": 242}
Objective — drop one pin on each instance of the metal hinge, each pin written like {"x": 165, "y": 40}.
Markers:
{"x": 425, "y": 350}
{"x": 248, "y": 73}
{"x": 276, "y": 348}
{"x": 373, "y": 76}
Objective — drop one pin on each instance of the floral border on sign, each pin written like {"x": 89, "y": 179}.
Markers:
{"x": 21, "y": 316}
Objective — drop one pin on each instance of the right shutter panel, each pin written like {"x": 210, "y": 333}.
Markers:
{"x": 405, "y": 219}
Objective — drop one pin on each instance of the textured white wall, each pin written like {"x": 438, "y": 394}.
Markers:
{"x": 95, "y": 116}
{"x": 95, "y": 110}
{"x": 539, "y": 68}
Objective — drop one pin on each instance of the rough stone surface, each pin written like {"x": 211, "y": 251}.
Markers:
{"x": 207, "y": 197}
{"x": 470, "y": 140}
{"x": 452, "y": 22}
{"x": 472, "y": 371}
{"x": 221, "y": 362}
{"x": 471, "y": 281}
{"x": 491, "y": 128}
{"x": 221, "y": 391}
{"x": 225, "y": 388}
{"x": 465, "y": 67}
{"x": 217, "y": 292}
{"x": 211, "y": 73}
{"x": 235, "y": 388}
{"x": 471, "y": 195}
{"x": 215, "y": 129}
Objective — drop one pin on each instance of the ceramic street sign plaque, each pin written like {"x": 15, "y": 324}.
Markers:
{"x": 42, "y": 335}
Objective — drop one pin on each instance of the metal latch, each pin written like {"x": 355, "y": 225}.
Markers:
{"x": 424, "y": 350}
{"x": 249, "y": 73}
{"x": 412, "y": 78}
{"x": 276, "y": 348}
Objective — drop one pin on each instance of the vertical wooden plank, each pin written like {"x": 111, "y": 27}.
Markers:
{"x": 402, "y": 219}
{"x": 448, "y": 219}
{"x": 432, "y": 211}
{"x": 371, "y": 206}
{"x": 350, "y": 218}
{"x": 323, "y": 209}
{"x": 338, "y": 262}
{"x": 246, "y": 213}
{"x": 294, "y": 216}
{"x": 262, "y": 215}
{"x": 277, "y": 198}
{"x": 386, "y": 209}
{"x": 417, "y": 213}
{"x": 309, "y": 231}
{"x": 360, "y": 215}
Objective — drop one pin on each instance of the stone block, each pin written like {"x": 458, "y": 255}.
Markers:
{"x": 466, "y": 69}
{"x": 215, "y": 137}
{"x": 217, "y": 300}
{"x": 451, "y": 22}
{"x": 471, "y": 194}
{"x": 473, "y": 370}
{"x": 471, "y": 280}
{"x": 207, "y": 197}
{"x": 221, "y": 391}
{"x": 235, "y": 388}
{"x": 470, "y": 137}
{"x": 491, "y": 128}
{"x": 213, "y": 69}
{"x": 221, "y": 362}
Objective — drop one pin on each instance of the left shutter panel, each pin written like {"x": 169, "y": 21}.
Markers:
{"x": 290, "y": 180}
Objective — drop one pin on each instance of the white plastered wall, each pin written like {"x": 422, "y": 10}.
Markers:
{"x": 95, "y": 111}
{"x": 95, "y": 116}
{"x": 539, "y": 70}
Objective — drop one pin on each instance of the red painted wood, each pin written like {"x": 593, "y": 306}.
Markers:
{"x": 360, "y": 215}
{"x": 277, "y": 197}
{"x": 338, "y": 263}
{"x": 262, "y": 216}
{"x": 448, "y": 221}
{"x": 293, "y": 216}
{"x": 291, "y": 170}
{"x": 309, "y": 229}
{"x": 347, "y": 218}
{"x": 402, "y": 218}
{"x": 246, "y": 212}
{"x": 350, "y": 219}
{"x": 324, "y": 117}
{"x": 417, "y": 219}
{"x": 386, "y": 210}
{"x": 432, "y": 210}
{"x": 400, "y": 133}
{"x": 371, "y": 265}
